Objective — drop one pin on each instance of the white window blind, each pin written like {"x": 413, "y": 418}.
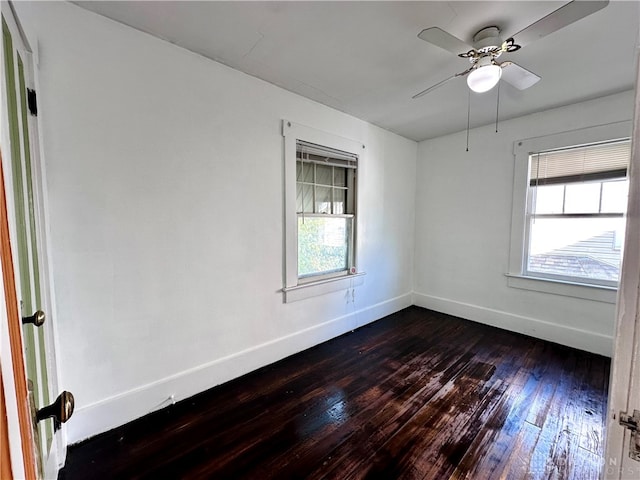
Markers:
{"x": 312, "y": 153}
{"x": 325, "y": 179}
{"x": 579, "y": 164}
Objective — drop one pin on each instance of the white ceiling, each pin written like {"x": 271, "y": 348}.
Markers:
{"x": 365, "y": 59}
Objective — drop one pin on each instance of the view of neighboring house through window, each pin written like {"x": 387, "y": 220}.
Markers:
{"x": 576, "y": 208}
{"x": 325, "y": 205}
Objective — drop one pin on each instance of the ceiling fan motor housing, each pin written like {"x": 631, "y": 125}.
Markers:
{"x": 484, "y": 60}
{"x": 487, "y": 39}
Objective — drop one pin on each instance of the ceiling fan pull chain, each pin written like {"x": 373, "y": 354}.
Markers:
{"x": 498, "y": 106}
{"x": 468, "y": 115}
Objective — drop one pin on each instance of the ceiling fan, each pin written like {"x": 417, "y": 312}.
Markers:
{"x": 488, "y": 44}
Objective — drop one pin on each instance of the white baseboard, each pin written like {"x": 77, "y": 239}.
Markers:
{"x": 90, "y": 420}
{"x": 573, "y": 337}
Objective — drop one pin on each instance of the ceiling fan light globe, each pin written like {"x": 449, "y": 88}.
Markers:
{"x": 484, "y": 78}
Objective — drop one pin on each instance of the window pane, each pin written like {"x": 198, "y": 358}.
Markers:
{"x": 614, "y": 196}
{"x": 338, "y": 201}
{"x": 582, "y": 198}
{"x": 549, "y": 199}
{"x": 323, "y": 200}
{"x": 307, "y": 190}
{"x": 322, "y": 245}
{"x": 304, "y": 172}
{"x": 323, "y": 175}
{"x": 587, "y": 248}
{"x": 339, "y": 177}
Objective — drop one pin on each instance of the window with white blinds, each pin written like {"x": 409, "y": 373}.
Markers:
{"x": 325, "y": 205}
{"x": 577, "y": 201}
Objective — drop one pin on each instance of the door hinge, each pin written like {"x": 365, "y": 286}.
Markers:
{"x": 32, "y": 102}
{"x": 632, "y": 422}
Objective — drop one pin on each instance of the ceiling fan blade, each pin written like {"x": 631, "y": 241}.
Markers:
{"x": 439, "y": 84}
{"x": 519, "y": 77}
{"x": 433, "y": 87}
{"x": 445, "y": 40}
{"x": 560, "y": 18}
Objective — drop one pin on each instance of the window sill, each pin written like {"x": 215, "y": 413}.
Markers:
{"x": 597, "y": 293}
{"x": 321, "y": 287}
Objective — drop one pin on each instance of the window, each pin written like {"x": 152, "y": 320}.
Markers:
{"x": 325, "y": 205}
{"x": 568, "y": 217}
{"x": 577, "y": 200}
{"x": 321, "y": 192}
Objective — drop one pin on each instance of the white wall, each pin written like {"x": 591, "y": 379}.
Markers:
{"x": 165, "y": 180}
{"x": 463, "y": 229}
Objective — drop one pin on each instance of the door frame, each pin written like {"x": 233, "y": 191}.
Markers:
{"x": 624, "y": 385}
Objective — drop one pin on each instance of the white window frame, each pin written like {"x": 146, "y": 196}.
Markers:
{"x": 522, "y": 149}
{"x": 296, "y": 288}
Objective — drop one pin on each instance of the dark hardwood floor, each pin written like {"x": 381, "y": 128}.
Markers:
{"x": 416, "y": 395}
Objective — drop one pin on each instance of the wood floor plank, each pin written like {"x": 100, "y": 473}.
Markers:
{"x": 556, "y": 451}
{"x": 518, "y": 465}
{"x": 417, "y": 395}
{"x": 453, "y": 429}
{"x": 312, "y": 448}
{"x": 398, "y": 457}
{"x": 488, "y": 455}
{"x": 593, "y": 406}
{"x": 386, "y": 419}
